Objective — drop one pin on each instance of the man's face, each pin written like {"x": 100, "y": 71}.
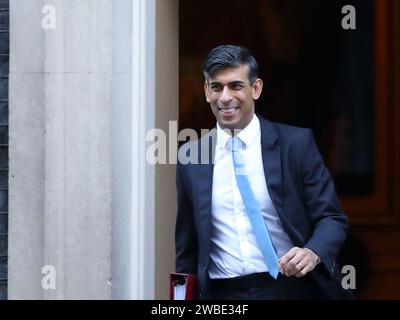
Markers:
{"x": 232, "y": 97}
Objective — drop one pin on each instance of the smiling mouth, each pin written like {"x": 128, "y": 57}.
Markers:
{"x": 228, "y": 111}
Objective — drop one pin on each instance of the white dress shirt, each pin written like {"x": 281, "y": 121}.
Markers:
{"x": 234, "y": 250}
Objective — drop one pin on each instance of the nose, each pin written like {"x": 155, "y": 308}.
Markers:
{"x": 226, "y": 96}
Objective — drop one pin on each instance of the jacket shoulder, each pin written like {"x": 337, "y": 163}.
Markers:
{"x": 287, "y": 133}
{"x": 288, "y": 129}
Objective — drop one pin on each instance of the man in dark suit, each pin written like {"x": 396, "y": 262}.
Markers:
{"x": 258, "y": 216}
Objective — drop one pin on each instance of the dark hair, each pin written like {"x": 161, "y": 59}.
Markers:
{"x": 229, "y": 56}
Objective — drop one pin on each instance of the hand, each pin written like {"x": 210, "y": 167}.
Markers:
{"x": 298, "y": 262}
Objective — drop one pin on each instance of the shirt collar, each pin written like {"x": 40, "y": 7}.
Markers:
{"x": 248, "y": 135}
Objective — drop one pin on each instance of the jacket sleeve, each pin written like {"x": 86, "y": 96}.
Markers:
{"x": 186, "y": 245}
{"x": 322, "y": 203}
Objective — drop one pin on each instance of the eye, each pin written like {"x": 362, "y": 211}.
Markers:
{"x": 236, "y": 86}
{"x": 215, "y": 87}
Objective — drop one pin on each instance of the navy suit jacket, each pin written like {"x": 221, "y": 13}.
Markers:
{"x": 300, "y": 188}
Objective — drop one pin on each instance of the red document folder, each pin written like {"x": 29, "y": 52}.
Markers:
{"x": 187, "y": 284}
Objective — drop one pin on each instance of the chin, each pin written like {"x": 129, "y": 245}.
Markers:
{"x": 229, "y": 124}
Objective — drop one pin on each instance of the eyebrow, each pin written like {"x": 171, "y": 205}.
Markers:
{"x": 229, "y": 83}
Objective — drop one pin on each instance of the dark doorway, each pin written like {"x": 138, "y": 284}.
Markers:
{"x": 316, "y": 74}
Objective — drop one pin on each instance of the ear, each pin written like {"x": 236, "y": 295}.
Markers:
{"x": 257, "y": 88}
{"x": 206, "y": 92}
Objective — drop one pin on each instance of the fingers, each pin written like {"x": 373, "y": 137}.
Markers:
{"x": 294, "y": 265}
{"x": 289, "y": 263}
{"x": 297, "y": 262}
{"x": 286, "y": 258}
{"x": 304, "y": 271}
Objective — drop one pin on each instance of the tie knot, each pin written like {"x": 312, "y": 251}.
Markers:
{"x": 235, "y": 143}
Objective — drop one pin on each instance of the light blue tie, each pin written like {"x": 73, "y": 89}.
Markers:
{"x": 253, "y": 211}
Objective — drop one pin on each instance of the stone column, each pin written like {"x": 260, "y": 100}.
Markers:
{"x": 60, "y": 149}
{"x": 82, "y": 198}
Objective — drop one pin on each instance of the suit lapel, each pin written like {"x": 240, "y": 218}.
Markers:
{"x": 271, "y": 156}
{"x": 272, "y": 162}
{"x": 204, "y": 181}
